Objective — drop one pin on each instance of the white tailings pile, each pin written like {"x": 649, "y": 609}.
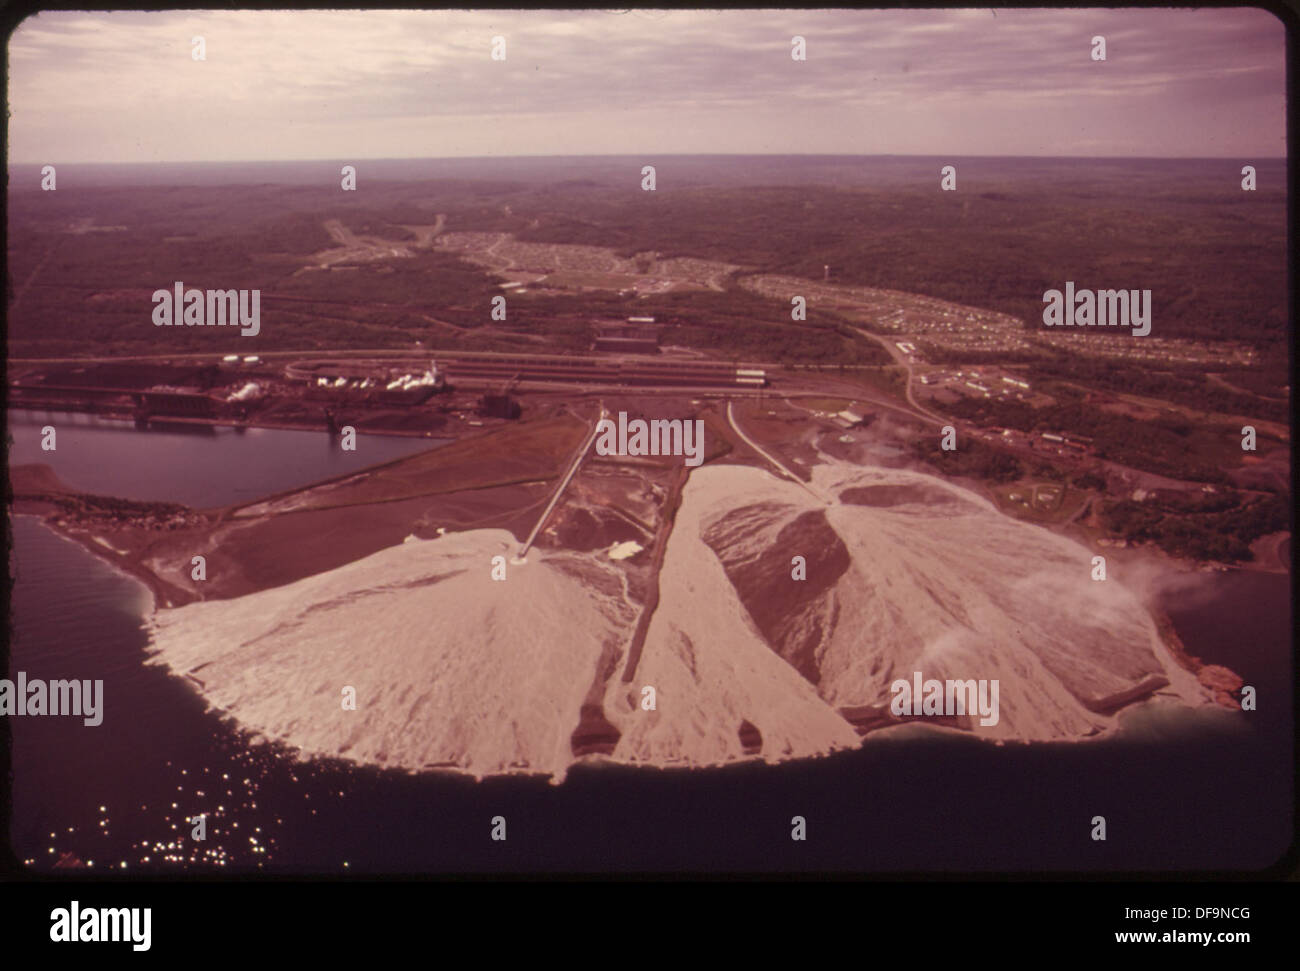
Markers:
{"x": 449, "y": 665}
{"x": 937, "y": 581}
{"x": 452, "y": 668}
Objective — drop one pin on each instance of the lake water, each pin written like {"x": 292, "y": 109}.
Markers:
{"x": 198, "y": 465}
{"x": 1206, "y": 790}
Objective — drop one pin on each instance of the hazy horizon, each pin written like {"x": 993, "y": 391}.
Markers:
{"x": 524, "y": 156}
{"x": 124, "y": 88}
{"x": 682, "y": 170}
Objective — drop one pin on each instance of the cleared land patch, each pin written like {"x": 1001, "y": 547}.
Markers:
{"x": 571, "y": 265}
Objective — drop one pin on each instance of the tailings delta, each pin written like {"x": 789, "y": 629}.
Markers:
{"x": 1179, "y": 789}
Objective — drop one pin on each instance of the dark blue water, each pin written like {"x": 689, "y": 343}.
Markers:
{"x": 1209, "y": 791}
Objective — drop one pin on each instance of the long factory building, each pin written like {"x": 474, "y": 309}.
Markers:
{"x": 487, "y": 367}
{"x": 604, "y": 370}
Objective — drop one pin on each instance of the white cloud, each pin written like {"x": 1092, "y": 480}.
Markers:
{"x": 107, "y": 86}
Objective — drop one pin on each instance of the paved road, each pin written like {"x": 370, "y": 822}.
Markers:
{"x": 902, "y": 359}
{"x": 856, "y": 392}
{"x": 731, "y": 418}
{"x": 1218, "y": 379}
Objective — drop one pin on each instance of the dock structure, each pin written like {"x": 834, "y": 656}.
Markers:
{"x": 564, "y": 484}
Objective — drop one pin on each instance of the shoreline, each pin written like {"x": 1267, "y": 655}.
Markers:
{"x": 919, "y": 729}
{"x": 158, "y": 596}
{"x": 1217, "y": 681}
{"x": 142, "y": 578}
{"x": 450, "y": 431}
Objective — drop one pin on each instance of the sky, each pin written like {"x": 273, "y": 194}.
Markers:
{"x": 282, "y": 85}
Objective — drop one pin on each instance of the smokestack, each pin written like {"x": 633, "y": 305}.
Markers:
{"x": 826, "y": 272}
